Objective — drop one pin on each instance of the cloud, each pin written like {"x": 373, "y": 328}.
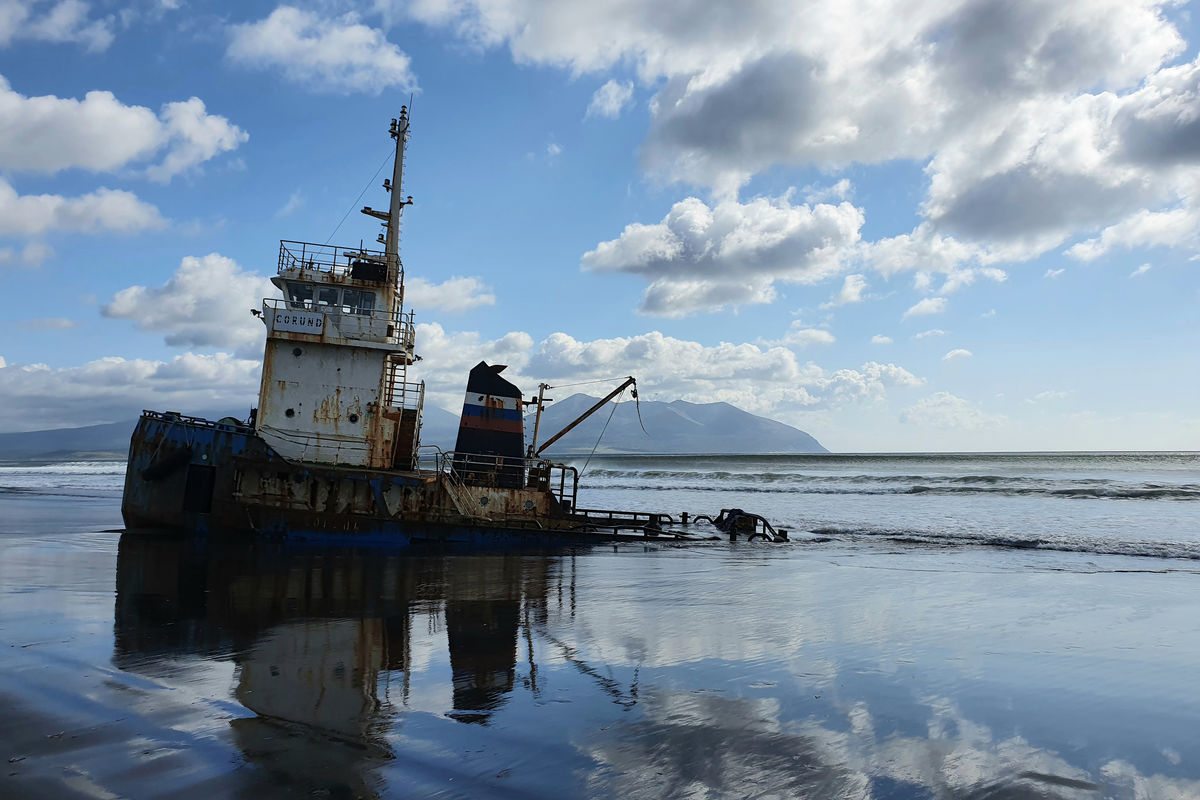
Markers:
{"x": 455, "y": 294}
{"x": 48, "y": 324}
{"x": 1049, "y": 394}
{"x": 930, "y": 332}
{"x": 322, "y": 54}
{"x": 762, "y": 379}
{"x": 1173, "y": 228}
{"x": 294, "y": 201}
{"x": 1037, "y": 121}
{"x": 947, "y": 411}
{"x": 32, "y": 254}
{"x": 610, "y": 99}
{"x": 65, "y": 21}
{"x": 956, "y": 354}
{"x": 821, "y": 194}
{"x": 206, "y": 303}
{"x": 800, "y": 336}
{"x": 36, "y": 396}
{"x": 553, "y": 150}
{"x": 49, "y": 134}
{"x": 852, "y": 290}
{"x": 1142, "y": 270}
{"x": 930, "y": 305}
{"x": 1053, "y": 273}
{"x": 102, "y": 210}
{"x": 881, "y": 339}
{"x": 958, "y": 278}
{"x": 701, "y": 258}
{"x": 194, "y": 136}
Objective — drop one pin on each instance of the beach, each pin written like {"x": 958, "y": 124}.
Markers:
{"x": 939, "y": 627}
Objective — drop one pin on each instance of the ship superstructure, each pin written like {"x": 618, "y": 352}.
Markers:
{"x": 335, "y": 386}
{"x": 333, "y": 449}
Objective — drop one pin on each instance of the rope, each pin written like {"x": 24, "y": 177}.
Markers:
{"x": 601, "y": 436}
{"x": 360, "y": 194}
{"x": 585, "y": 383}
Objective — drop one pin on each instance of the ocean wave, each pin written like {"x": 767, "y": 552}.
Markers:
{"x": 1094, "y": 546}
{"x": 1087, "y": 489}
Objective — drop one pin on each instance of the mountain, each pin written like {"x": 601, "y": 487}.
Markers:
{"x": 675, "y": 427}
{"x": 87, "y": 443}
{"x": 110, "y": 440}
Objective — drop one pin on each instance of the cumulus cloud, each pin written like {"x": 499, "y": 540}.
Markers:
{"x": 930, "y": 332}
{"x": 102, "y": 210}
{"x": 929, "y": 305}
{"x": 881, "y": 339}
{"x": 610, "y": 99}
{"x": 323, "y": 54}
{"x": 1038, "y": 122}
{"x": 955, "y": 354}
{"x": 1173, "y": 228}
{"x": 948, "y": 411}
{"x": 65, "y": 21}
{"x": 706, "y": 258}
{"x": 800, "y": 336}
{"x": 32, "y": 254}
{"x": 852, "y": 290}
{"x": 37, "y": 396}
{"x": 455, "y": 294}
{"x": 206, "y": 303}
{"x": 101, "y": 134}
{"x": 760, "y": 378}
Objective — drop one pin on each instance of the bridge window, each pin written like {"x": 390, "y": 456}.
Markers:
{"x": 327, "y": 298}
{"x": 357, "y": 302}
{"x": 300, "y": 294}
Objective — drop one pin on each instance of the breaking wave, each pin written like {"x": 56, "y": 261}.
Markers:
{"x": 1066, "y": 544}
{"x": 797, "y": 483}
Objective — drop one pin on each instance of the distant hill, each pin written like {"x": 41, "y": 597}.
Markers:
{"x": 110, "y": 440}
{"x": 675, "y": 427}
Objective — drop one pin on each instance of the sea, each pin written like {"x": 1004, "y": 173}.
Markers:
{"x": 1016, "y": 625}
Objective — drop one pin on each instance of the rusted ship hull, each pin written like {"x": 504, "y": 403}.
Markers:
{"x": 198, "y": 476}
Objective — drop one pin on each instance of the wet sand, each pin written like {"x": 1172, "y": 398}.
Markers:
{"x": 135, "y": 666}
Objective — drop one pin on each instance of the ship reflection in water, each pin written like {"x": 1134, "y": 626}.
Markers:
{"x": 322, "y": 640}
{"x": 345, "y": 673}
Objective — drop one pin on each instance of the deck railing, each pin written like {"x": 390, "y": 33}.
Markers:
{"x": 377, "y": 325}
{"x": 326, "y": 257}
{"x": 510, "y": 472}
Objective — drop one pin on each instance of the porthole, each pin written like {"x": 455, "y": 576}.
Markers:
{"x": 291, "y": 412}
{"x": 353, "y": 418}
{"x": 296, "y": 351}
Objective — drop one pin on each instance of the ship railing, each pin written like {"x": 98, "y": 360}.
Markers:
{"x": 504, "y": 472}
{"x": 623, "y": 520}
{"x": 400, "y": 393}
{"x": 350, "y": 262}
{"x": 346, "y": 322}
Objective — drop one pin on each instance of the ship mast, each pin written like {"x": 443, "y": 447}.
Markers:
{"x": 391, "y": 220}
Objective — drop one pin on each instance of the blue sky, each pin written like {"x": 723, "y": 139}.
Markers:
{"x": 948, "y": 225}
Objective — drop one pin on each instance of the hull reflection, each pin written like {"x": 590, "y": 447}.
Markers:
{"x": 321, "y": 640}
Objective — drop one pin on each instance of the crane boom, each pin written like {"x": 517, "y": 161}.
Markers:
{"x": 630, "y": 381}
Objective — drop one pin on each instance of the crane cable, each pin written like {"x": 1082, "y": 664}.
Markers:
{"x": 616, "y": 403}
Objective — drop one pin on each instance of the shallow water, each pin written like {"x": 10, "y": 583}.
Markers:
{"x": 855, "y": 664}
